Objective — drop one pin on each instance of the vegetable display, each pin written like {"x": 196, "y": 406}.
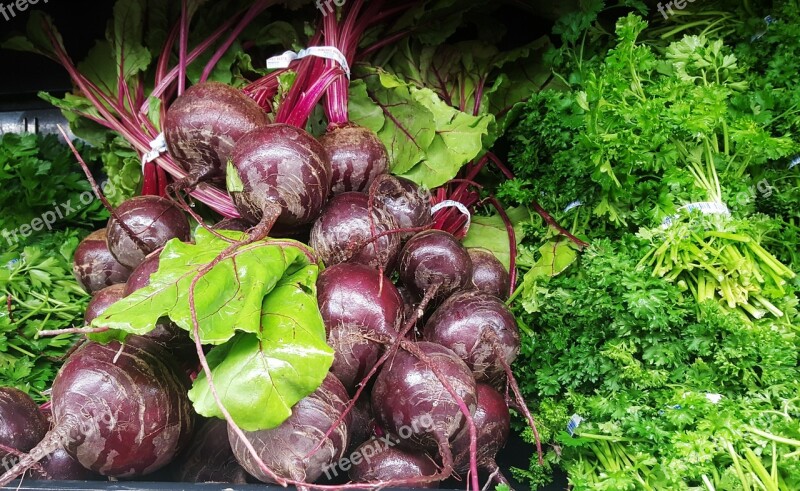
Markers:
{"x": 365, "y": 262}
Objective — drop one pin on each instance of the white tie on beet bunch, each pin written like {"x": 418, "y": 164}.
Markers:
{"x": 327, "y": 52}
{"x": 448, "y": 203}
{"x": 157, "y": 147}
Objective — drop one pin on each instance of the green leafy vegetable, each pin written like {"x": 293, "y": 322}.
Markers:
{"x": 257, "y": 305}
{"x": 428, "y": 141}
{"x": 489, "y": 232}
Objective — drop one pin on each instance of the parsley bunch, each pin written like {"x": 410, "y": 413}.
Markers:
{"x": 634, "y": 357}
{"x": 41, "y": 187}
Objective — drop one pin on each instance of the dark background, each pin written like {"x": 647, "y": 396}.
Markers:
{"x": 22, "y": 75}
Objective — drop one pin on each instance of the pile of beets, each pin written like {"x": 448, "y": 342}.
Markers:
{"x": 419, "y": 387}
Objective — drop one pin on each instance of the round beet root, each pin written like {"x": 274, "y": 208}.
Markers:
{"x": 128, "y": 410}
{"x": 493, "y": 423}
{"x": 343, "y": 232}
{"x": 209, "y": 457}
{"x": 140, "y": 277}
{"x": 94, "y": 266}
{"x": 409, "y": 204}
{"x": 363, "y": 424}
{"x": 284, "y": 449}
{"x": 409, "y": 400}
{"x": 434, "y": 258}
{"x": 488, "y": 273}
{"x": 22, "y": 426}
{"x": 474, "y": 325}
{"x": 60, "y": 466}
{"x": 103, "y": 300}
{"x": 154, "y": 220}
{"x": 203, "y": 125}
{"x": 391, "y": 463}
{"x": 357, "y": 157}
{"x": 357, "y": 305}
{"x": 282, "y": 175}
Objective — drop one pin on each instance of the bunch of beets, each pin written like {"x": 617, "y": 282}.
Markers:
{"x": 434, "y": 345}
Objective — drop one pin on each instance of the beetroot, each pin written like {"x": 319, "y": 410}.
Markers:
{"x": 409, "y": 204}
{"x": 488, "y": 273}
{"x": 119, "y": 410}
{"x": 22, "y": 426}
{"x": 434, "y": 258}
{"x": 203, "y": 125}
{"x": 286, "y": 449}
{"x": 140, "y": 277}
{"x": 153, "y": 221}
{"x": 343, "y": 232}
{"x": 60, "y": 466}
{"x": 476, "y": 326}
{"x": 493, "y": 422}
{"x": 357, "y": 305}
{"x": 209, "y": 457}
{"x": 407, "y": 391}
{"x": 103, "y": 300}
{"x": 357, "y": 156}
{"x": 94, "y": 266}
{"x": 363, "y": 424}
{"x": 281, "y": 175}
{"x": 380, "y": 463}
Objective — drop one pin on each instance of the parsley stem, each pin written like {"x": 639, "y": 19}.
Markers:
{"x": 775, "y": 438}
{"x": 24, "y": 352}
{"x": 737, "y": 464}
{"x": 610, "y": 438}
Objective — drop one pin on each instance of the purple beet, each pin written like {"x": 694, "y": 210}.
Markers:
{"x": 343, "y": 232}
{"x": 409, "y": 400}
{"x": 203, "y": 125}
{"x": 434, "y": 258}
{"x": 476, "y": 326}
{"x": 409, "y": 204}
{"x": 60, "y": 466}
{"x": 379, "y": 463}
{"x": 284, "y": 449}
{"x": 357, "y": 157}
{"x": 140, "y": 277}
{"x": 94, "y": 266}
{"x": 119, "y": 410}
{"x": 22, "y": 426}
{"x": 493, "y": 422}
{"x": 153, "y": 221}
{"x": 358, "y": 305}
{"x": 209, "y": 457}
{"x": 280, "y": 175}
{"x": 488, "y": 273}
{"x": 363, "y": 424}
{"x": 103, "y": 300}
